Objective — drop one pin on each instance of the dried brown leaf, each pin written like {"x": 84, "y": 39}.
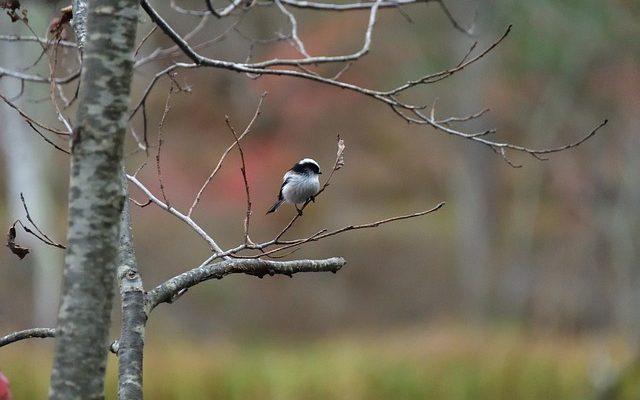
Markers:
{"x": 340, "y": 154}
{"x": 58, "y": 23}
{"x": 16, "y": 249}
{"x": 10, "y": 5}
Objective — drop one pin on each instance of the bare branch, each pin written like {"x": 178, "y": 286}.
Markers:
{"x": 288, "y": 244}
{"x": 38, "y": 78}
{"x": 224, "y": 155}
{"x": 349, "y": 6}
{"x": 243, "y": 169}
{"x": 211, "y": 9}
{"x": 55, "y": 89}
{"x": 153, "y": 82}
{"x": 453, "y": 21}
{"x": 161, "y": 53}
{"x": 438, "y": 76}
{"x": 167, "y": 106}
{"x": 261, "y": 66}
{"x": 220, "y": 13}
{"x": 184, "y": 218}
{"x": 463, "y": 119}
{"x": 130, "y": 345}
{"x": 561, "y": 148}
{"x": 46, "y": 239}
{"x": 144, "y": 40}
{"x": 27, "y": 334}
{"x": 29, "y": 119}
{"x": 257, "y": 267}
{"x": 46, "y": 139}
{"x": 35, "y": 39}
{"x": 294, "y": 29}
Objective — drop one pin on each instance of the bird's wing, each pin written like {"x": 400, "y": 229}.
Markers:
{"x": 287, "y": 179}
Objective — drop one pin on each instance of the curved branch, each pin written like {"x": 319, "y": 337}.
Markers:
{"x": 27, "y": 334}
{"x": 174, "y": 287}
{"x": 193, "y": 55}
{"x": 184, "y": 218}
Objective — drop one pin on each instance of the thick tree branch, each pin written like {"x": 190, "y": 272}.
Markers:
{"x": 27, "y": 334}
{"x": 166, "y": 292}
{"x": 134, "y": 318}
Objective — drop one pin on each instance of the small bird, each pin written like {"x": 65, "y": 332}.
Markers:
{"x": 299, "y": 184}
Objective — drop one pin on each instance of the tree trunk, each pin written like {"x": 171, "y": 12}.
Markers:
{"x": 134, "y": 318}
{"x": 96, "y": 199}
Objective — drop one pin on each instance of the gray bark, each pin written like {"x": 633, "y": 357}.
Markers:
{"x": 79, "y": 21}
{"x": 131, "y": 343}
{"x": 96, "y": 199}
{"x": 174, "y": 287}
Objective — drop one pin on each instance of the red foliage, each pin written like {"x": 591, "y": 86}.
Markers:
{"x": 5, "y": 390}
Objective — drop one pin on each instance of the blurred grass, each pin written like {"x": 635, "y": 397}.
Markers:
{"x": 419, "y": 364}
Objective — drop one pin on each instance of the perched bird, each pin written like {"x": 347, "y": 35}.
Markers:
{"x": 299, "y": 184}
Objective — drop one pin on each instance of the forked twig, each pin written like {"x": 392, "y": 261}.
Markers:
{"x": 224, "y": 155}
{"x": 288, "y": 244}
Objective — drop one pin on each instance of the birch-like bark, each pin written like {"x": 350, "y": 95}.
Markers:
{"x": 79, "y": 21}
{"x": 131, "y": 343}
{"x": 96, "y": 199}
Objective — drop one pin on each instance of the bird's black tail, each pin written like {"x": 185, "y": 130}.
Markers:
{"x": 275, "y": 206}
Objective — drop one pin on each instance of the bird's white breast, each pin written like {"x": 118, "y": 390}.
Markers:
{"x": 300, "y": 187}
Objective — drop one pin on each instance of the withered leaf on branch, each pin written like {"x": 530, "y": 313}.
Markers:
{"x": 16, "y": 249}
{"x": 340, "y": 154}
{"x": 58, "y": 23}
{"x": 10, "y": 5}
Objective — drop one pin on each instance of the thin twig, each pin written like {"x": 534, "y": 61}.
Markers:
{"x": 19, "y": 38}
{"x": 46, "y": 239}
{"x": 29, "y": 119}
{"x": 184, "y": 218}
{"x": 243, "y": 169}
{"x": 144, "y": 39}
{"x": 167, "y": 106}
{"x": 299, "y": 45}
{"x": 319, "y": 236}
{"x": 224, "y": 155}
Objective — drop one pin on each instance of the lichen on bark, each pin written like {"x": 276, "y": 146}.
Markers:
{"x": 96, "y": 199}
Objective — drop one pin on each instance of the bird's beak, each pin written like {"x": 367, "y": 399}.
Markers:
{"x": 319, "y": 172}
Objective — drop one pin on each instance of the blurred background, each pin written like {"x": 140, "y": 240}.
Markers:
{"x": 526, "y": 285}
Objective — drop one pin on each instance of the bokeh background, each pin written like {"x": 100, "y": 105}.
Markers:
{"x": 526, "y": 285}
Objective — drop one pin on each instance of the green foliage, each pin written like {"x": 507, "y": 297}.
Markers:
{"x": 447, "y": 365}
